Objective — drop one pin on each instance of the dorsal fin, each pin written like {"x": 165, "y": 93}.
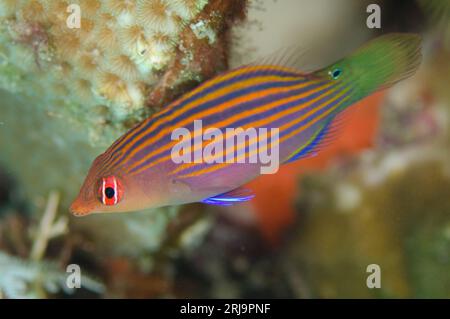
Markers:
{"x": 295, "y": 57}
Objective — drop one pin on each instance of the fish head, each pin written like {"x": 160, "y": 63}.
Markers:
{"x": 108, "y": 191}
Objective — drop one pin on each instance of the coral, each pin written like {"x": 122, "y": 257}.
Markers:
{"x": 48, "y": 228}
{"x": 25, "y": 279}
{"x": 114, "y": 36}
{"x": 34, "y": 276}
{"x": 117, "y": 54}
{"x": 202, "y": 50}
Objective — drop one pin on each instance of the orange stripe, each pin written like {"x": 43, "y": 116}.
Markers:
{"x": 107, "y": 164}
{"x": 224, "y": 106}
{"x": 229, "y": 120}
{"x": 207, "y": 84}
{"x": 259, "y": 122}
{"x": 274, "y": 117}
{"x": 304, "y": 127}
{"x": 209, "y": 97}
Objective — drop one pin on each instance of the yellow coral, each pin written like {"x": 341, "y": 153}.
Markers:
{"x": 111, "y": 59}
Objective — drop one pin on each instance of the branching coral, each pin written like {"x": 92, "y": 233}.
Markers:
{"x": 49, "y": 228}
{"x": 35, "y": 277}
{"x": 32, "y": 279}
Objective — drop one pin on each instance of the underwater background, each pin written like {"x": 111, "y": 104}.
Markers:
{"x": 379, "y": 194}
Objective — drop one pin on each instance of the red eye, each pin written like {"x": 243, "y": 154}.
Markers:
{"x": 110, "y": 190}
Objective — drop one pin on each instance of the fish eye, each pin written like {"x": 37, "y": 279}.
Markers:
{"x": 110, "y": 191}
{"x": 335, "y": 73}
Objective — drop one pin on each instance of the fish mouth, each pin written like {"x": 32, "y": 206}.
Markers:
{"x": 78, "y": 209}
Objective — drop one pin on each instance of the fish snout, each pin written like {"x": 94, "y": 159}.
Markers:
{"x": 80, "y": 209}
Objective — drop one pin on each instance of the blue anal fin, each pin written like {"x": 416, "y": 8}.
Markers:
{"x": 237, "y": 195}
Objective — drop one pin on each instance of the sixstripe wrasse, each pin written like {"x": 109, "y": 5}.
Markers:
{"x": 138, "y": 171}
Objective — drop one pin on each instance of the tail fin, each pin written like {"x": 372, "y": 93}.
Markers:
{"x": 393, "y": 57}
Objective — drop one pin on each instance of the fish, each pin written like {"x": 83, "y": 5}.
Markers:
{"x": 301, "y": 110}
